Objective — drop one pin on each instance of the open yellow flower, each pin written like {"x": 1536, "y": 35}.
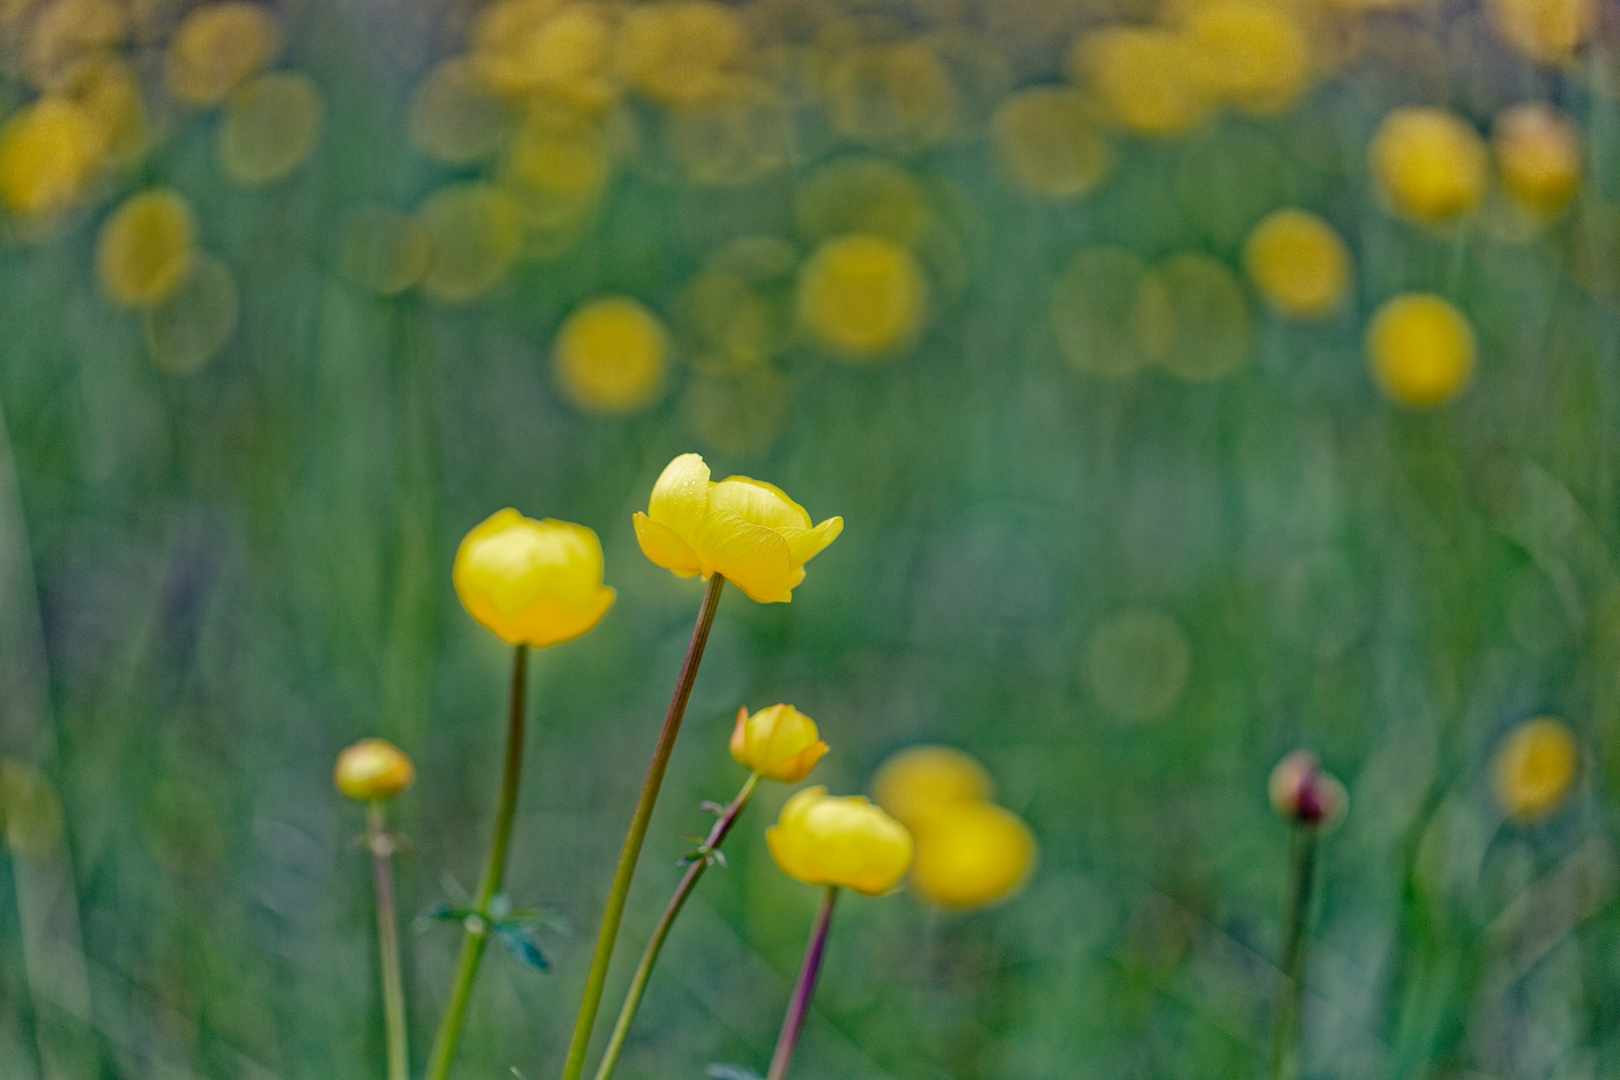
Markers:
{"x": 532, "y": 582}
{"x": 779, "y": 743}
{"x": 921, "y": 782}
{"x": 373, "y": 769}
{"x": 972, "y": 855}
{"x": 840, "y": 840}
{"x": 1535, "y": 769}
{"x": 746, "y": 530}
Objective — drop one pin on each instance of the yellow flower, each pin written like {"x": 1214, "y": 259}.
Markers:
{"x": 373, "y": 769}
{"x": 1429, "y": 164}
{"x": 1535, "y": 768}
{"x": 146, "y": 247}
{"x": 862, "y": 296}
{"x": 610, "y": 355}
{"x": 843, "y": 841}
{"x": 746, "y": 530}
{"x": 49, "y": 152}
{"x": 780, "y": 743}
{"x": 1298, "y": 263}
{"x": 972, "y": 855}
{"x": 1538, "y": 157}
{"x": 1421, "y": 350}
{"x": 532, "y": 582}
{"x": 920, "y": 782}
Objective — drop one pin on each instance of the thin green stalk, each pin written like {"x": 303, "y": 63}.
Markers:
{"x": 477, "y": 924}
{"x": 393, "y": 983}
{"x": 799, "y": 1007}
{"x": 597, "y": 979}
{"x": 1296, "y": 942}
{"x": 649, "y": 957}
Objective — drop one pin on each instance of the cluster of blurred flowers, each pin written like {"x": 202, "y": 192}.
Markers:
{"x": 544, "y": 105}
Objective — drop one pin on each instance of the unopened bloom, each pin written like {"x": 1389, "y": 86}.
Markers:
{"x": 373, "y": 769}
{"x": 920, "y": 782}
{"x": 532, "y": 582}
{"x": 746, "y": 530}
{"x": 843, "y": 841}
{"x": 780, "y": 743}
{"x": 1301, "y": 792}
{"x": 972, "y": 855}
{"x": 1535, "y": 768}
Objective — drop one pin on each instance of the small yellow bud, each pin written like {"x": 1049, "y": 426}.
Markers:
{"x": 1536, "y": 766}
{"x": 920, "y": 782}
{"x": 746, "y": 530}
{"x": 1301, "y": 792}
{"x": 843, "y": 841}
{"x": 1429, "y": 164}
{"x": 1538, "y": 157}
{"x": 780, "y": 743}
{"x": 373, "y": 769}
{"x": 1299, "y": 264}
{"x": 972, "y": 855}
{"x": 1421, "y": 350}
{"x": 532, "y": 582}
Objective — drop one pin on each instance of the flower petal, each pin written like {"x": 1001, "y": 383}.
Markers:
{"x": 758, "y": 502}
{"x": 664, "y": 546}
{"x": 680, "y": 498}
{"x": 752, "y": 557}
{"x": 806, "y": 544}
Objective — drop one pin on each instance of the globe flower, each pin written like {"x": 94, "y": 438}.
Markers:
{"x": 748, "y": 531}
{"x": 1421, "y": 349}
{"x": 532, "y": 582}
{"x": 972, "y": 855}
{"x": 1538, "y": 157}
{"x": 842, "y": 841}
{"x": 1301, "y": 792}
{"x": 1535, "y": 768}
{"x": 373, "y": 769}
{"x": 779, "y": 743}
{"x": 920, "y": 782}
{"x": 1429, "y": 164}
{"x": 1299, "y": 264}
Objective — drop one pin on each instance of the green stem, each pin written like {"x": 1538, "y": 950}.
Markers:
{"x": 597, "y": 979}
{"x": 649, "y": 957}
{"x": 477, "y": 924}
{"x": 1296, "y": 942}
{"x": 799, "y": 1006}
{"x": 393, "y": 983}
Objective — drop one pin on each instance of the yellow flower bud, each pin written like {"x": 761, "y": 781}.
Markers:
{"x": 532, "y": 582}
{"x": 840, "y": 840}
{"x": 972, "y": 855}
{"x": 780, "y": 743}
{"x": 1538, "y": 157}
{"x": 921, "y": 782}
{"x": 1301, "y": 792}
{"x": 1429, "y": 164}
{"x": 747, "y": 530}
{"x": 1535, "y": 768}
{"x": 1421, "y": 350}
{"x": 1299, "y": 264}
{"x": 373, "y": 769}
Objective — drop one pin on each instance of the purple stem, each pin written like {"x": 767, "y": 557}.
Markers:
{"x": 799, "y": 1007}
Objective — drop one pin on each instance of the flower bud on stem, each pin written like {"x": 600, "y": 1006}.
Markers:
{"x": 799, "y": 1007}
{"x": 477, "y": 925}
{"x": 393, "y": 985}
{"x": 638, "y": 985}
{"x": 596, "y": 981}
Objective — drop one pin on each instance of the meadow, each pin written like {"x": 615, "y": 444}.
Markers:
{"x": 1196, "y": 381}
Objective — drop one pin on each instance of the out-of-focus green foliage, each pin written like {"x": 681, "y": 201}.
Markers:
{"x": 1129, "y": 513}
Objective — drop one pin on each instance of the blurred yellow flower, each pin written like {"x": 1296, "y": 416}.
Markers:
{"x": 1536, "y": 766}
{"x": 218, "y": 46}
{"x": 532, "y": 582}
{"x": 524, "y": 46}
{"x": 146, "y": 248}
{"x": 779, "y": 743}
{"x": 610, "y": 355}
{"x": 1298, "y": 263}
{"x": 1538, "y": 157}
{"x": 862, "y": 295}
{"x": 840, "y": 840}
{"x": 1546, "y": 31}
{"x": 680, "y": 52}
{"x": 1250, "y": 53}
{"x": 1421, "y": 350}
{"x": 1429, "y": 164}
{"x": 746, "y": 530}
{"x": 270, "y": 127}
{"x": 373, "y": 769}
{"x": 1048, "y": 140}
{"x": 919, "y": 783}
{"x": 1145, "y": 76}
{"x": 972, "y": 855}
{"x": 49, "y": 152}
